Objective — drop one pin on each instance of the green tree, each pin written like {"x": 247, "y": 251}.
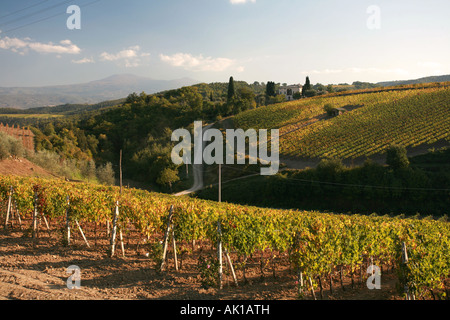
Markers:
{"x": 270, "y": 89}
{"x": 328, "y": 108}
{"x": 167, "y": 177}
{"x": 231, "y": 89}
{"x": 306, "y": 87}
{"x": 4, "y": 153}
{"x": 396, "y": 157}
{"x": 105, "y": 174}
{"x": 297, "y": 95}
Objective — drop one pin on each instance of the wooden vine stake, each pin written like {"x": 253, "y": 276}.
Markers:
{"x": 174, "y": 244}
{"x": 8, "y": 211}
{"x": 169, "y": 231}
{"x": 17, "y": 214}
{"x": 114, "y": 229}
{"x": 219, "y": 253}
{"x": 82, "y": 233}
{"x": 35, "y": 213}
{"x": 312, "y": 289}
{"x": 300, "y": 281}
{"x": 121, "y": 242}
{"x": 405, "y": 261}
{"x": 46, "y": 224}
{"x": 231, "y": 267}
{"x": 67, "y": 235}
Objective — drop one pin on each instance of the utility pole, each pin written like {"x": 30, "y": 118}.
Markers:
{"x": 220, "y": 183}
{"x": 120, "y": 171}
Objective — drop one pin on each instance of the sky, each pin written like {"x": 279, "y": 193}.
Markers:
{"x": 331, "y": 41}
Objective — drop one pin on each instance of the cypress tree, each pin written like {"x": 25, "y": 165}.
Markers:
{"x": 270, "y": 89}
{"x": 231, "y": 90}
{"x": 306, "y": 87}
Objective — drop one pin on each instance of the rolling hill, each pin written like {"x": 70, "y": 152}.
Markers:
{"x": 373, "y": 121}
{"x": 113, "y": 87}
{"x": 443, "y": 78}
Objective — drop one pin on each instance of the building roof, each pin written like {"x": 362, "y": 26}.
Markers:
{"x": 291, "y": 86}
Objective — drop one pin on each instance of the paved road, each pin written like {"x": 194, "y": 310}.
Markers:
{"x": 198, "y": 173}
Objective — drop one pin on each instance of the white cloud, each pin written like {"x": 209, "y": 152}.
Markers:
{"x": 130, "y": 56}
{"x": 84, "y": 60}
{"x": 241, "y": 1}
{"x": 197, "y": 63}
{"x": 22, "y": 46}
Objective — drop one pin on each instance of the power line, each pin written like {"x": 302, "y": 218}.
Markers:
{"x": 32, "y": 6}
{"x": 341, "y": 184}
{"x": 47, "y": 18}
{"x": 34, "y": 13}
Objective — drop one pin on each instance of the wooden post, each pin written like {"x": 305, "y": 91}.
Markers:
{"x": 82, "y": 233}
{"x": 331, "y": 283}
{"x": 230, "y": 263}
{"x": 46, "y": 224}
{"x": 120, "y": 170}
{"x": 114, "y": 229}
{"x": 121, "y": 242}
{"x": 312, "y": 289}
{"x": 8, "y": 211}
{"x": 174, "y": 249}
{"x": 219, "y": 253}
{"x": 300, "y": 281}
{"x": 166, "y": 239}
{"x": 405, "y": 261}
{"x": 35, "y": 213}
{"x": 220, "y": 183}
{"x": 320, "y": 287}
{"x": 341, "y": 278}
{"x": 18, "y": 215}
{"x": 67, "y": 222}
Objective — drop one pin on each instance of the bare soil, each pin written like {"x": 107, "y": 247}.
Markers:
{"x": 32, "y": 270}
{"x": 23, "y": 167}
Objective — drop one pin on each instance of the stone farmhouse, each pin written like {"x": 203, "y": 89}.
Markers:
{"x": 289, "y": 91}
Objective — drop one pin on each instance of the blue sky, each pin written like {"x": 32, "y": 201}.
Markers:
{"x": 210, "y": 40}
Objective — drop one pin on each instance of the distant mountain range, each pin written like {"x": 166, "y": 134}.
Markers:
{"x": 117, "y": 87}
{"x": 416, "y": 81}
{"x": 111, "y": 88}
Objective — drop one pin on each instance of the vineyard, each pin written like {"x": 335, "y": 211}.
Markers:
{"x": 317, "y": 246}
{"x": 373, "y": 122}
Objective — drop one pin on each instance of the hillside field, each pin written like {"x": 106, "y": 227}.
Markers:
{"x": 373, "y": 121}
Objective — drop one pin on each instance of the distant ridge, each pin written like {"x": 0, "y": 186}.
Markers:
{"x": 443, "y": 78}
{"x": 114, "y": 87}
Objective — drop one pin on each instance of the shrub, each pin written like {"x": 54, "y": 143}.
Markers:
{"x": 105, "y": 174}
{"x": 396, "y": 157}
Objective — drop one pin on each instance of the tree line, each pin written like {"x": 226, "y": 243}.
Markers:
{"x": 409, "y": 186}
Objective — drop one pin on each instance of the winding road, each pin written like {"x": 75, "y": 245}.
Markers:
{"x": 198, "y": 172}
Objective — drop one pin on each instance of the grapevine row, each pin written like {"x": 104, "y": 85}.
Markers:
{"x": 317, "y": 243}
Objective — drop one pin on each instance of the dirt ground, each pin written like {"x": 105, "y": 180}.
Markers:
{"x": 38, "y": 271}
{"x": 23, "y": 167}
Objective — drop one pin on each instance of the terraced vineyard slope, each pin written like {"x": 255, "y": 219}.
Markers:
{"x": 373, "y": 121}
